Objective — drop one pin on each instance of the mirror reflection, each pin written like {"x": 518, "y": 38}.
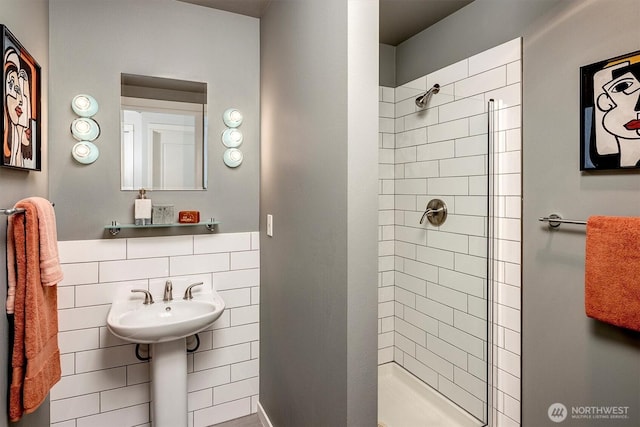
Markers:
{"x": 163, "y": 133}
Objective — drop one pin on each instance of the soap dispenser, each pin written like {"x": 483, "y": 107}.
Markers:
{"x": 142, "y": 208}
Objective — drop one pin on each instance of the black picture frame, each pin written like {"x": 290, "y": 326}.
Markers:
{"x": 610, "y": 114}
{"x": 21, "y": 106}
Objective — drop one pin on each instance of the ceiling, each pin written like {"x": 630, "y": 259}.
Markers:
{"x": 399, "y": 19}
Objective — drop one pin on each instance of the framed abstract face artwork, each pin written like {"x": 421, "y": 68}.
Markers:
{"x": 21, "y": 97}
{"x": 610, "y": 113}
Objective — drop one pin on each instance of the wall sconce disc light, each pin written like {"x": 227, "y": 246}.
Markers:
{"x": 232, "y": 157}
{"x": 232, "y": 138}
{"x": 84, "y": 105}
{"x": 85, "y": 152}
{"x": 85, "y": 129}
{"x": 232, "y": 118}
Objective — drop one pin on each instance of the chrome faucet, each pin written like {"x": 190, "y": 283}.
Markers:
{"x": 188, "y": 293}
{"x": 168, "y": 291}
{"x": 148, "y": 299}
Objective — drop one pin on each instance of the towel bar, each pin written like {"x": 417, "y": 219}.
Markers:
{"x": 11, "y": 211}
{"x": 555, "y": 220}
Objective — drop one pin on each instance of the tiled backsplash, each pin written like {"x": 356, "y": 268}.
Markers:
{"x": 432, "y": 297}
{"x": 103, "y": 383}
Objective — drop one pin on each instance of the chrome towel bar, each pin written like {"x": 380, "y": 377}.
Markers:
{"x": 555, "y": 220}
{"x": 11, "y": 211}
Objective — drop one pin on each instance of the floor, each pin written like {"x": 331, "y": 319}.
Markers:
{"x": 248, "y": 421}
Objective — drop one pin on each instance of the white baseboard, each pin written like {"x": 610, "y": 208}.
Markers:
{"x": 262, "y": 415}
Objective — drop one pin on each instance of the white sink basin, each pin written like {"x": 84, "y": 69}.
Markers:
{"x": 163, "y": 321}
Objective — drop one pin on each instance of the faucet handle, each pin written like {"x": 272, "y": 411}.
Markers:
{"x": 187, "y": 292}
{"x": 148, "y": 299}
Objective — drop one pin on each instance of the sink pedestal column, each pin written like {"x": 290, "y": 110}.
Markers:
{"x": 169, "y": 383}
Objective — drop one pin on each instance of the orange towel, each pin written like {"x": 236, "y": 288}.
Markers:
{"x": 50, "y": 269}
{"x": 35, "y": 359}
{"x": 612, "y": 270}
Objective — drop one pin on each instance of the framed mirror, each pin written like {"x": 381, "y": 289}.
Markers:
{"x": 163, "y": 133}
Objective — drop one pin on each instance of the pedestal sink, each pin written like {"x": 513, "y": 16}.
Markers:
{"x": 165, "y": 325}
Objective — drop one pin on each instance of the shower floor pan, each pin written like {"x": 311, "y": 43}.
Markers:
{"x": 404, "y": 401}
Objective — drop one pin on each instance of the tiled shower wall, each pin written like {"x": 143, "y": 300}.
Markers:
{"x": 103, "y": 383}
{"x": 432, "y": 288}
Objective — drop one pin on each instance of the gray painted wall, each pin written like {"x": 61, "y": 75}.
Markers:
{"x": 317, "y": 317}
{"x": 476, "y": 27}
{"x": 29, "y": 21}
{"x": 362, "y": 212}
{"x": 92, "y": 42}
{"x": 387, "y": 65}
{"x": 567, "y": 357}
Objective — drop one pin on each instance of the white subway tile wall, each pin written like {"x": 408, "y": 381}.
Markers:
{"x": 432, "y": 280}
{"x": 103, "y": 383}
{"x": 387, "y": 246}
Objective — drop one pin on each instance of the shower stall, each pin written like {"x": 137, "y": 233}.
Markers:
{"x": 449, "y": 288}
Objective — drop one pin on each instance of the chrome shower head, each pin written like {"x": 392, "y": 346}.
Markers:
{"x": 422, "y": 100}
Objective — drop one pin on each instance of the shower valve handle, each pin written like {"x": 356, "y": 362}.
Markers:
{"x": 429, "y": 212}
{"x": 435, "y": 212}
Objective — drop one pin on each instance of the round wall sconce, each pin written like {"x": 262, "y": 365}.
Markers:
{"x": 232, "y": 138}
{"x": 85, "y": 129}
{"x": 84, "y": 105}
{"x": 232, "y": 118}
{"x": 232, "y": 157}
{"x": 85, "y": 152}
